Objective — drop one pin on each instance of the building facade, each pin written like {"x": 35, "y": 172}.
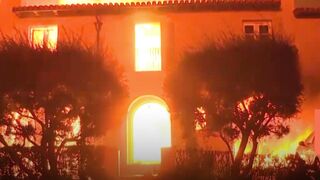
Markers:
{"x": 149, "y": 37}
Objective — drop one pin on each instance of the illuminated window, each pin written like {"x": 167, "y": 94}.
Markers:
{"x": 257, "y": 28}
{"x": 148, "y": 47}
{"x": 44, "y": 36}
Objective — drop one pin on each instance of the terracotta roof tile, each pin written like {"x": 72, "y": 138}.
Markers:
{"x": 115, "y": 8}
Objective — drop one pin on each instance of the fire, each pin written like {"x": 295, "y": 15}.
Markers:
{"x": 23, "y": 119}
{"x": 279, "y": 150}
{"x": 76, "y": 126}
{"x": 200, "y": 119}
{"x": 290, "y": 146}
{"x": 19, "y": 119}
{"x": 236, "y": 146}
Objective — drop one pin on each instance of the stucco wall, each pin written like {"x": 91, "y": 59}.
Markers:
{"x": 180, "y": 32}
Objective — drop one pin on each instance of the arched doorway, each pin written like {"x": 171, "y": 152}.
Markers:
{"x": 148, "y": 130}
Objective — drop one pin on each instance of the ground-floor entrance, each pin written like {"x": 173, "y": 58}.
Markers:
{"x": 148, "y": 130}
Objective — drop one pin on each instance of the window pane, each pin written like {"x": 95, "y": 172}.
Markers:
{"x": 148, "y": 47}
{"x": 264, "y": 29}
{"x": 44, "y": 36}
{"x": 37, "y": 37}
{"x": 249, "y": 29}
{"x": 52, "y": 37}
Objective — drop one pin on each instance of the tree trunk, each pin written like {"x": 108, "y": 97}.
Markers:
{"x": 52, "y": 155}
{"x": 51, "y": 139}
{"x": 43, "y": 156}
{"x": 228, "y": 146}
{"x": 253, "y": 153}
{"x": 235, "y": 170}
{"x": 82, "y": 149}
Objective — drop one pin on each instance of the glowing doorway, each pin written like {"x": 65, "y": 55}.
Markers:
{"x": 149, "y": 130}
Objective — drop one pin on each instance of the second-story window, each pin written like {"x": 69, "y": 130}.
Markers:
{"x": 44, "y": 36}
{"x": 257, "y": 28}
{"x": 148, "y": 47}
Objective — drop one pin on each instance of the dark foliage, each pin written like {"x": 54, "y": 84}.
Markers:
{"x": 247, "y": 86}
{"x": 44, "y": 92}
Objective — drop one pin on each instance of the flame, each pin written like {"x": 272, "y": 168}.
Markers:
{"x": 236, "y": 146}
{"x": 76, "y": 126}
{"x": 290, "y": 146}
{"x": 200, "y": 119}
{"x": 279, "y": 151}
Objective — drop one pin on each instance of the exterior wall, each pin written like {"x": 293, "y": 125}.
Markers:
{"x": 305, "y": 33}
{"x": 307, "y": 3}
{"x": 180, "y": 32}
{"x": 7, "y": 18}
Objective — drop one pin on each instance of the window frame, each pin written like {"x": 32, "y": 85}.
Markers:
{"x": 256, "y": 28}
{"x": 45, "y": 38}
{"x": 160, "y": 53}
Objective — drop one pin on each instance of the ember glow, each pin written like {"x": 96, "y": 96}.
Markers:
{"x": 151, "y": 132}
{"x": 200, "y": 119}
{"x": 76, "y": 127}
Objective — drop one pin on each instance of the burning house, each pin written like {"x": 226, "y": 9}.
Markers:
{"x": 148, "y": 37}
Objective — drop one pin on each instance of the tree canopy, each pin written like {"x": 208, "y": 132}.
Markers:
{"x": 252, "y": 86}
{"x": 43, "y": 92}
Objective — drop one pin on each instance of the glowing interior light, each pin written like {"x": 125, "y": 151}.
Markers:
{"x": 148, "y": 47}
{"x": 44, "y": 36}
{"x": 151, "y": 132}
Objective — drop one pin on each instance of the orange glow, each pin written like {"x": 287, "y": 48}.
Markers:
{"x": 281, "y": 150}
{"x": 44, "y": 36}
{"x": 200, "y": 120}
{"x": 148, "y": 47}
{"x": 76, "y": 127}
{"x": 151, "y": 132}
{"x": 236, "y": 146}
{"x": 317, "y": 132}
{"x": 97, "y": 1}
{"x": 290, "y": 146}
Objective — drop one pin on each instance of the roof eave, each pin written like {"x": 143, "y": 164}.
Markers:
{"x": 307, "y": 12}
{"x": 165, "y": 6}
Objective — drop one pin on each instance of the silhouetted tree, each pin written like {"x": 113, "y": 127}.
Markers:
{"x": 250, "y": 86}
{"x": 51, "y": 99}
